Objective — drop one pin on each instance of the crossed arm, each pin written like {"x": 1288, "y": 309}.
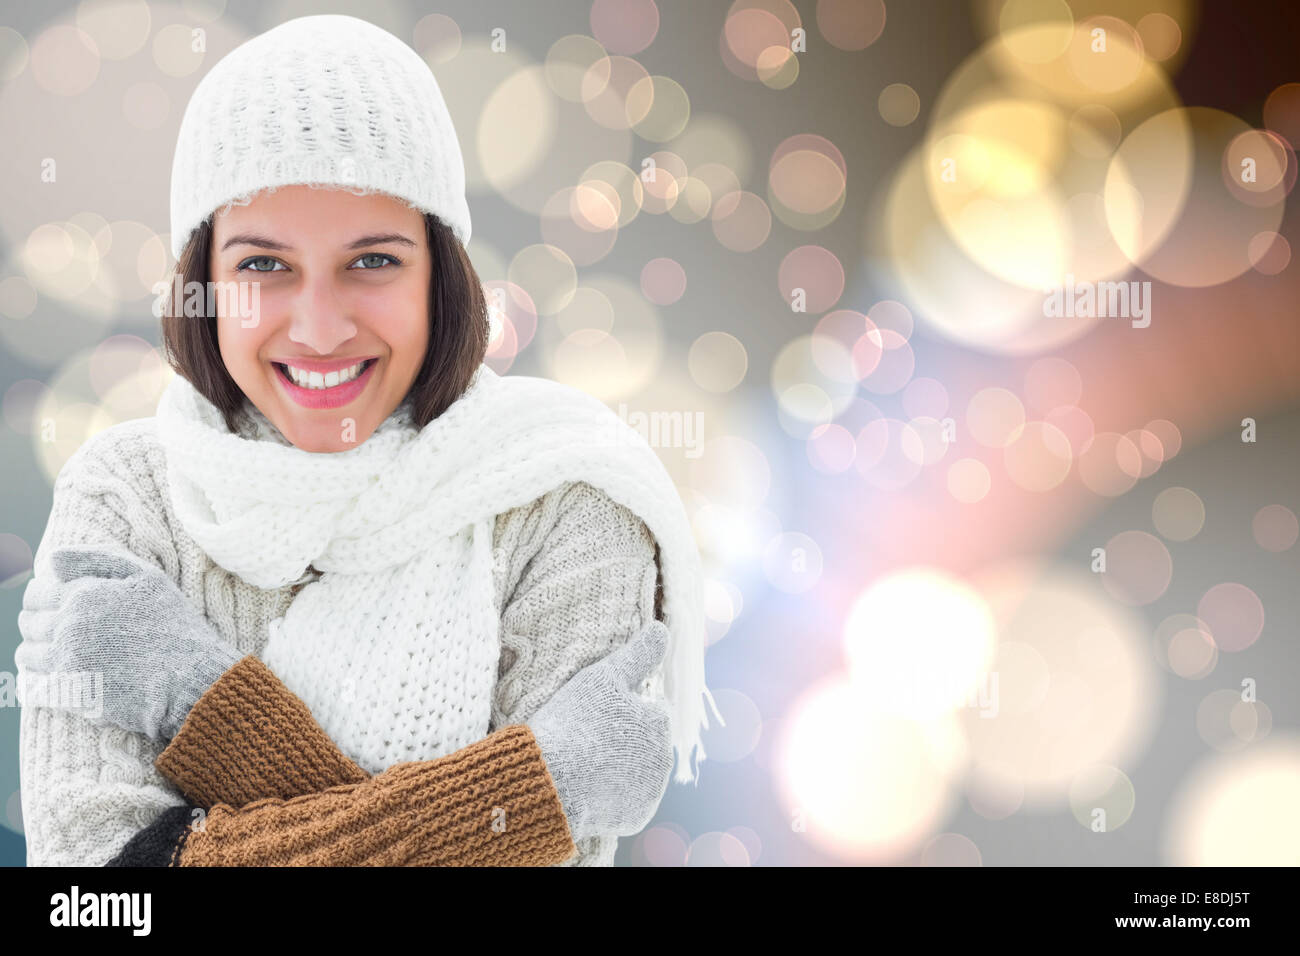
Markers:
{"x": 282, "y": 793}
{"x": 267, "y": 794}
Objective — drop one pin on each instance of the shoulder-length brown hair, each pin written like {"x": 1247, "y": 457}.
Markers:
{"x": 458, "y": 329}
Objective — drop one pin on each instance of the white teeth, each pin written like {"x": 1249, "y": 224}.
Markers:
{"x": 316, "y": 380}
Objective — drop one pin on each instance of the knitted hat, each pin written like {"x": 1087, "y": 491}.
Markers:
{"x": 329, "y": 100}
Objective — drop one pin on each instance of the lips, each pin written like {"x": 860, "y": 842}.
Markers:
{"x": 322, "y": 365}
{"x": 323, "y": 371}
{"x": 335, "y": 397}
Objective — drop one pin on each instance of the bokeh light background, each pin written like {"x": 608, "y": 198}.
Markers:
{"x": 810, "y": 244}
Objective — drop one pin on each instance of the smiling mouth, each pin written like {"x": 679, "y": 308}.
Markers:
{"x": 319, "y": 382}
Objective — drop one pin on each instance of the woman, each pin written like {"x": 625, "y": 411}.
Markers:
{"x": 354, "y": 597}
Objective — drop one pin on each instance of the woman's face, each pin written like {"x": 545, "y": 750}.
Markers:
{"x": 343, "y": 280}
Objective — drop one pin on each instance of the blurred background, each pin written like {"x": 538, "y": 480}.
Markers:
{"x": 967, "y": 331}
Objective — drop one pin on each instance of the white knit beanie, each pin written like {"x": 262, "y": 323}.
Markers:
{"x": 329, "y": 100}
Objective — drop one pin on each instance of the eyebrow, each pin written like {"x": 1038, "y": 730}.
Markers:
{"x": 266, "y": 242}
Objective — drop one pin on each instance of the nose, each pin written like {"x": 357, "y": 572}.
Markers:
{"x": 320, "y": 318}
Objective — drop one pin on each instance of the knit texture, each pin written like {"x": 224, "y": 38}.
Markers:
{"x": 247, "y": 738}
{"x": 609, "y": 752}
{"x": 328, "y": 99}
{"x": 574, "y": 577}
{"x": 161, "y": 842}
{"x": 400, "y": 527}
{"x": 124, "y": 620}
{"x": 492, "y": 804}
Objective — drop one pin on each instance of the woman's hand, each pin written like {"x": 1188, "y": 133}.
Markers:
{"x": 109, "y": 613}
{"x": 608, "y": 749}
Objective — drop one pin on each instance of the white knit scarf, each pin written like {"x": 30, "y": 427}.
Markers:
{"x": 395, "y": 647}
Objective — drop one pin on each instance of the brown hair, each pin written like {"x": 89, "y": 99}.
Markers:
{"x": 458, "y": 329}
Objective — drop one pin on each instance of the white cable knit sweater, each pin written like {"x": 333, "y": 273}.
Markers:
{"x": 574, "y": 575}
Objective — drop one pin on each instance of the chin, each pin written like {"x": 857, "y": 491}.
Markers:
{"x": 321, "y": 441}
{"x": 327, "y": 439}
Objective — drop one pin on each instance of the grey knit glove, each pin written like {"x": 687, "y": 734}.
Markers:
{"x": 608, "y": 749}
{"x": 109, "y": 613}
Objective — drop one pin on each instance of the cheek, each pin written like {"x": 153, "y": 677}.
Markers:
{"x": 240, "y": 346}
{"x": 402, "y": 322}
{"x": 416, "y": 338}
{"x": 418, "y": 329}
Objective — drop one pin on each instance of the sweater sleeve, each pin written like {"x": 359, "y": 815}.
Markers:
{"x": 577, "y": 577}
{"x": 248, "y": 738}
{"x": 86, "y": 789}
{"x": 488, "y": 804}
{"x": 282, "y": 793}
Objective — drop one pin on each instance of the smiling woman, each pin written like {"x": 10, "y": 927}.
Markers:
{"x": 354, "y": 596}
{"x": 342, "y": 280}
